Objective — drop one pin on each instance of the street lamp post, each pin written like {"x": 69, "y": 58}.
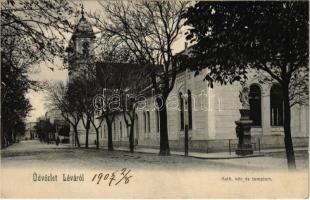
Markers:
{"x": 186, "y": 130}
{"x": 186, "y": 117}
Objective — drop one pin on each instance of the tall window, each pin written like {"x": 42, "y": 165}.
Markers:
{"x": 137, "y": 129}
{"x": 104, "y": 131}
{"x": 144, "y": 121}
{"x": 190, "y": 118}
{"x": 148, "y": 122}
{"x": 128, "y": 130}
{"x": 255, "y": 105}
{"x": 114, "y": 127}
{"x": 276, "y": 105}
{"x": 181, "y": 111}
{"x": 157, "y": 120}
{"x": 120, "y": 129}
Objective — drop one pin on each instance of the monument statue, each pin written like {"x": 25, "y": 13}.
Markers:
{"x": 244, "y": 97}
{"x": 243, "y": 126}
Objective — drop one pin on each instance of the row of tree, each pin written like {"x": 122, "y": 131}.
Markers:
{"x": 45, "y": 130}
{"x": 109, "y": 89}
{"x": 31, "y": 32}
{"x": 49, "y": 132}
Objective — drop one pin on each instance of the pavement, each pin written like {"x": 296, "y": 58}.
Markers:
{"x": 203, "y": 155}
{"x": 215, "y": 155}
{"x": 199, "y": 155}
{"x": 33, "y": 153}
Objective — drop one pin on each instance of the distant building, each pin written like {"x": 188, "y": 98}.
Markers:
{"x": 61, "y": 126}
{"x": 31, "y": 133}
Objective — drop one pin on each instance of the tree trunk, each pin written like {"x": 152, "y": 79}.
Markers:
{"x": 3, "y": 128}
{"x": 97, "y": 138}
{"x": 10, "y": 135}
{"x": 287, "y": 129}
{"x": 110, "y": 142}
{"x": 86, "y": 138}
{"x": 2, "y": 135}
{"x": 164, "y": 141}
{"x": 87, "y": 132}
{"x": 2, "y": 132}
{"x": 131, "y": 137}
{"x": 76, "y": 137}
{"x": 14, "y": 136}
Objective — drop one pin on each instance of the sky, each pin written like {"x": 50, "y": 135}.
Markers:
{"x": 39, "y": 99}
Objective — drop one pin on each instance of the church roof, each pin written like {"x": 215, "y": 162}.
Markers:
{"x": 83, "y": 28}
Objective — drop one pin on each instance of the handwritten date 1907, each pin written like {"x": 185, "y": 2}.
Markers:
{"x": 114, "y": 177}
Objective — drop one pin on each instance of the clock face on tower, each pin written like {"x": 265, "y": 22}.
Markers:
{"x": 85, "y": 48}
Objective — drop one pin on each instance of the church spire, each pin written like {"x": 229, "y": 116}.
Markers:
{"x": 82, "y": 12}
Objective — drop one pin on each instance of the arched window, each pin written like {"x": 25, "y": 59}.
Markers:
{"x": 255, "y": 105}
{"x": 190, "y": 118}
{"x": 276, "y": 105}
{"x": 181, "y": 111}
{"x": 120, "y": 129}
{"x": 157, "y": 120}
{"x": 144, "y": 121}
{"x": 148, "y": 122}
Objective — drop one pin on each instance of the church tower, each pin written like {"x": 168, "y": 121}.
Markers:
{"x": 81, "y": 47}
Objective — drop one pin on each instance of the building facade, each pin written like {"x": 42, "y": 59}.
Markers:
{"x": 30, "y": 133}
{"x": 209, "y": 112}
{"x": 61, "y": 126}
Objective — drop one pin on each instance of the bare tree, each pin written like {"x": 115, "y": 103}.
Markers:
{"x": 110, "y": 53}
{"x": 109, "y": 107}
{"x": 298, "y": 87}
{"x": 89, "y": 90}
{"x": 130, "y": 79}
{"x": 84, "y": 101}
{"x": 64, "y": 99}
{"x": 148, "y": 29}
{"x": 40, "y": 26}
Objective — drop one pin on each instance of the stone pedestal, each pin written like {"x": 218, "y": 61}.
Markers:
{"x": 243, "y": 131}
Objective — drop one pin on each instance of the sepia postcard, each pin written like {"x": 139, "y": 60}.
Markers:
{"x": 154, "y": 99}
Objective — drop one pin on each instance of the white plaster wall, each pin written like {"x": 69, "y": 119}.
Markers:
{"x": 214, "y": 115}
{"x": 226, "y": 110}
